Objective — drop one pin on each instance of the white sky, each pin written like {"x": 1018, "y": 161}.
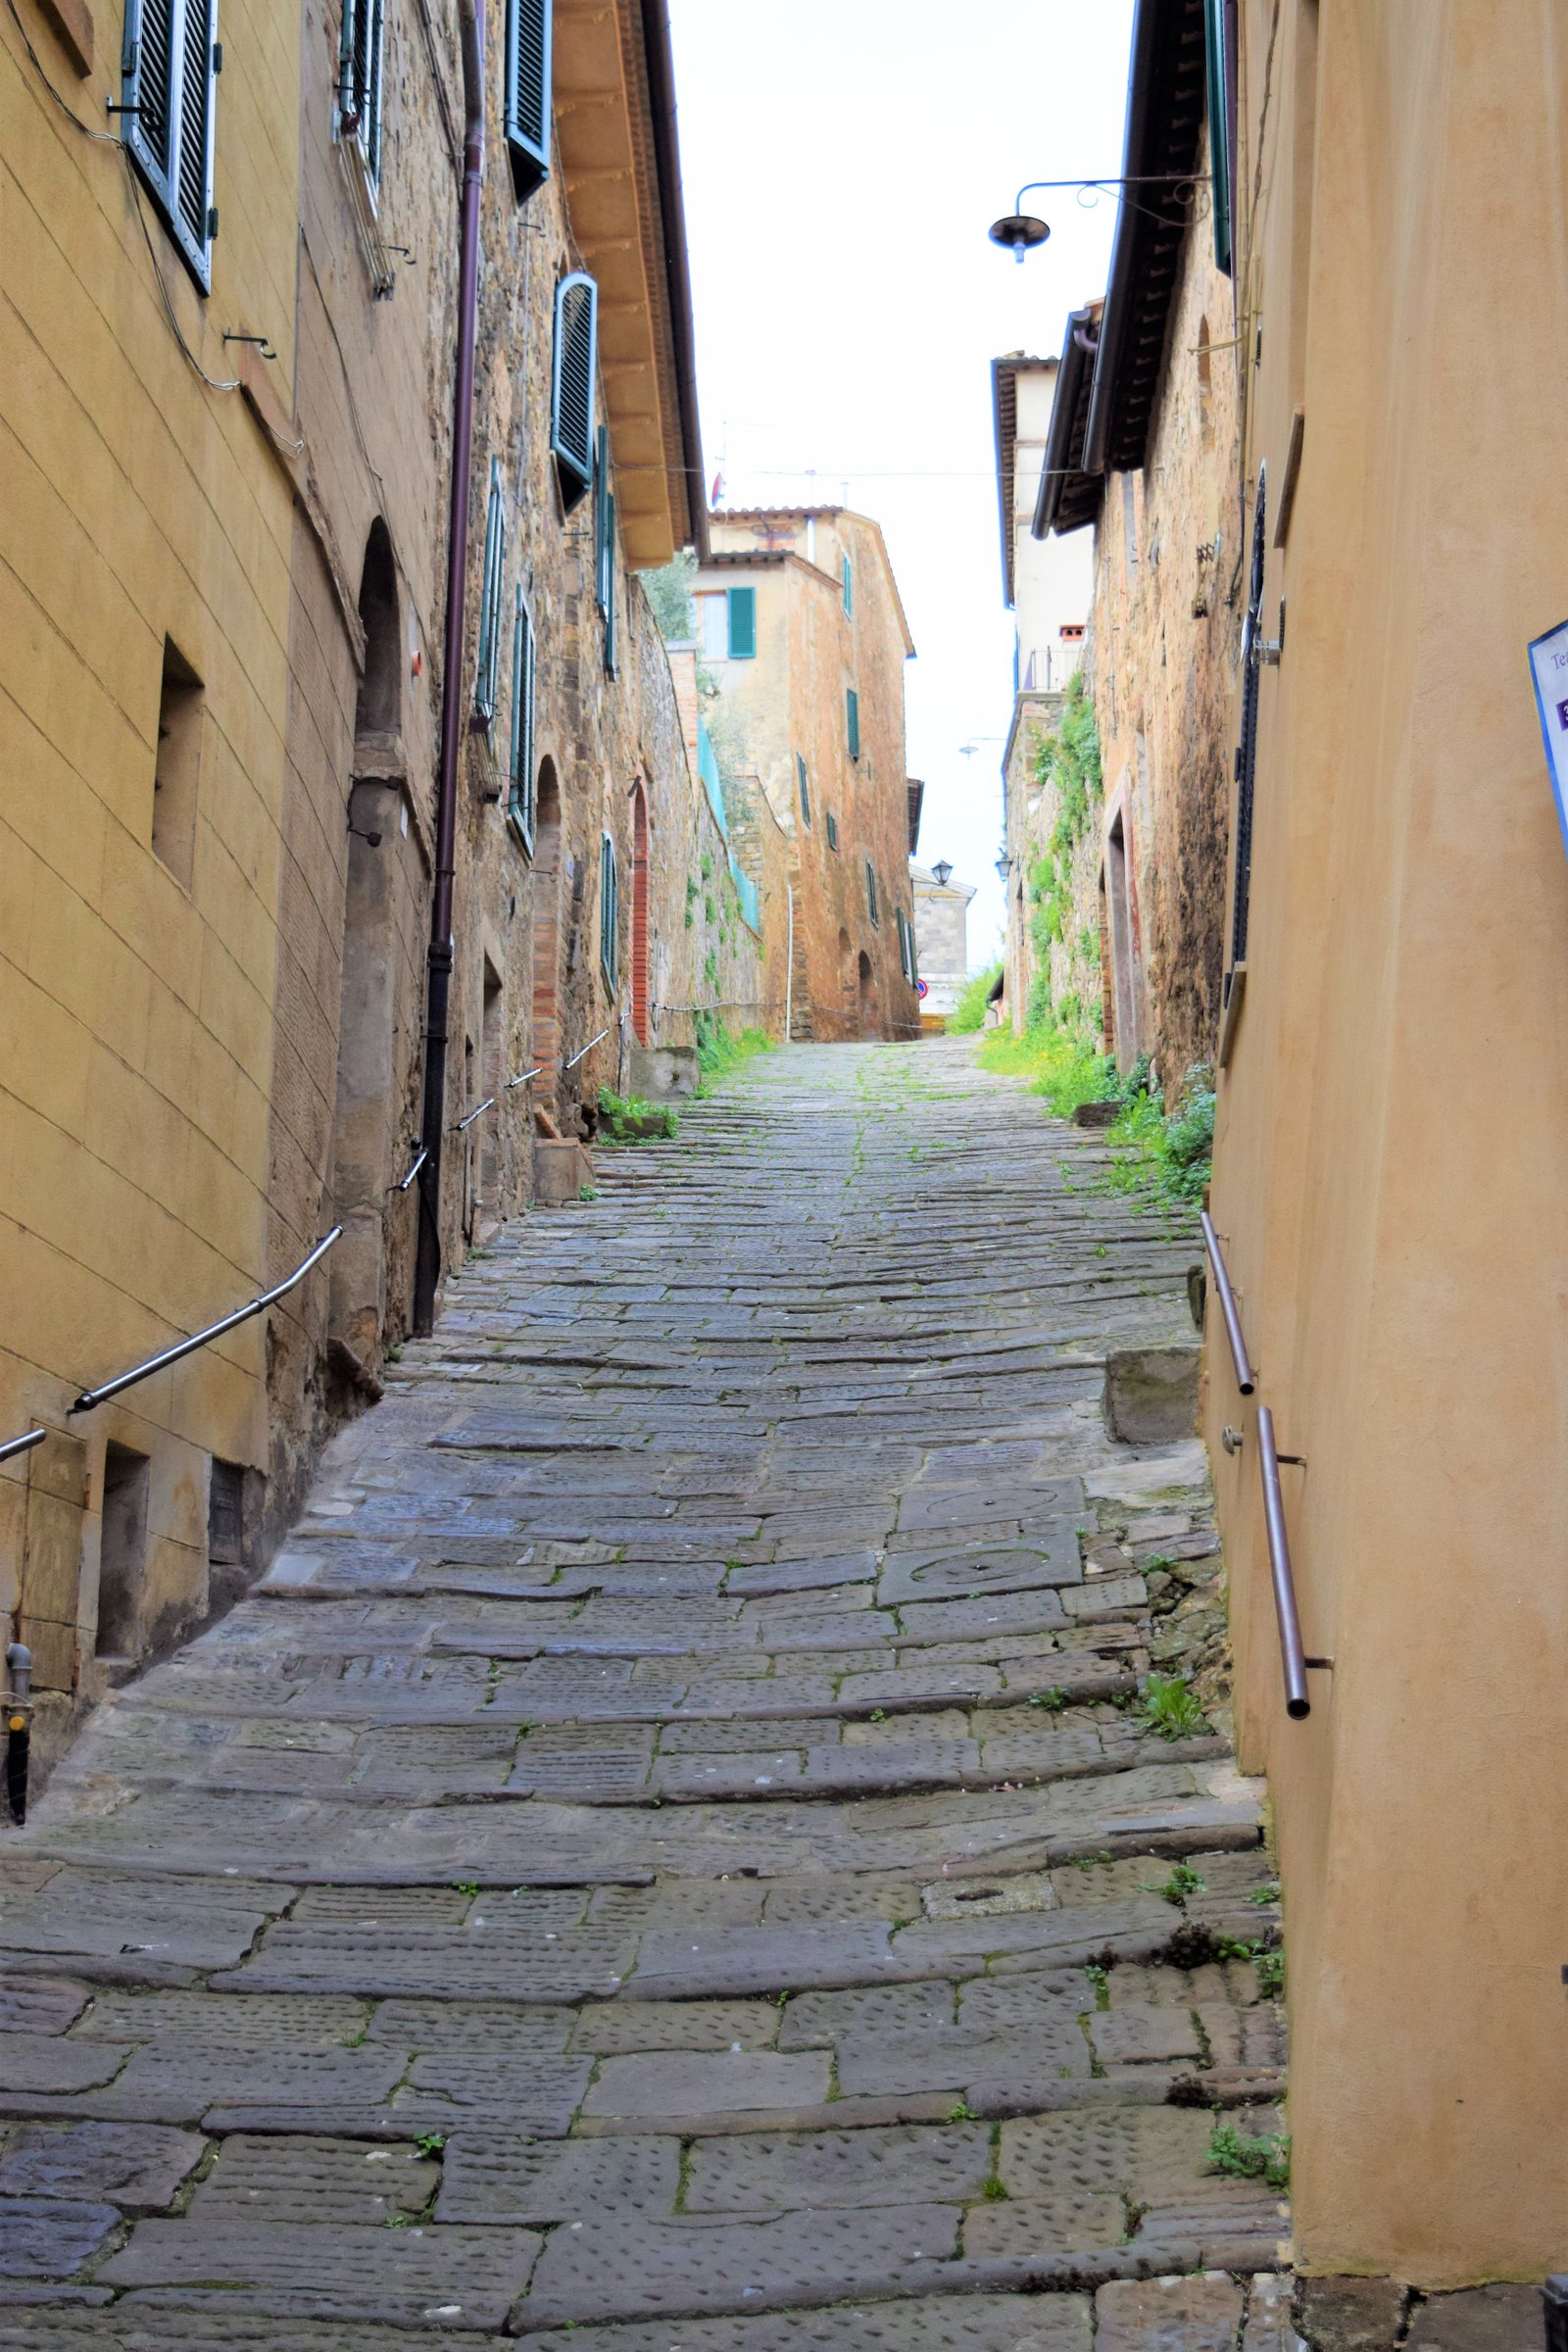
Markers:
{"x": 843, "y": 160}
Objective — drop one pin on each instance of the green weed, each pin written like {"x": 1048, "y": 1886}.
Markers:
{"x": 1249, "y": 2159}
{"x": 1169, "y": 1707}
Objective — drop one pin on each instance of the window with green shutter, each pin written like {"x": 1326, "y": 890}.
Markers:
{"x": 359, "y": 82}
{"x": 832, "y": 830}
{"x": 804, "y": 784}
{"x": 1221, "y": 198}
{"x": 871, "y": 897}
{"x": 743, "y": 624}
{"x": 521, "y": 799}
{"x": 849, "y": 587}
{"x": 602, "y": 556}
{"x": 528, "y": 92}
{"x": 168, "y": 67}
{"x": 906, "y": 964}
{"x": 611, "y": 652}
{"x": 487, "y": 673}
{"x": 571, "y": 401}
{"x": 852, "y": 720}
{"x": 609, "y": 911}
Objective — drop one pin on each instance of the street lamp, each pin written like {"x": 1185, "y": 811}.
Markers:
{"x": 943, "y": 873}
{"x": 1003, "y": 866}
{"x": 1020, "y": 231}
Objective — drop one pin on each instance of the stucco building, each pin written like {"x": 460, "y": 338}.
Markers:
{"x": 940, "y": 940}
{"x": 803, "y": 637}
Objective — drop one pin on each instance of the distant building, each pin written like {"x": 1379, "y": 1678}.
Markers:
{"x": 942, "y": 941}
{"x": 801, "y": 633}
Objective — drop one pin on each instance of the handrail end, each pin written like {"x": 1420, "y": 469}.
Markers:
{"x": 1297, "y": 1708}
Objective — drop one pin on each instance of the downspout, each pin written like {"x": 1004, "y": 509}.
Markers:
{"x": 427, "y": 1268}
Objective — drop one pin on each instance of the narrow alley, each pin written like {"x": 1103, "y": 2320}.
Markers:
{"x": 676, "y": 1836}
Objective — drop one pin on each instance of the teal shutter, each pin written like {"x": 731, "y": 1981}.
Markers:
{"x": 488, "y": 669}
{"x": 849, "y": 587}
{"x": 169, "y": 67}
{"x": 359, "y": 80}
{"x": 743, "y": 624}
{"x": 571, "y": 403}
{"x": 612, "y": 658}
{"x": 528, "y": 93}
{"x": 870, "y": 895}
{"x": 805, "y": 789}
{"x": 608, "y": 910}
{"x": 602, "y": 545}
{"x": 1219, "y": 129}
{"x": 852, "y": 717}
{"x": 832, "y": 830}
{"x": 520, "y": 805}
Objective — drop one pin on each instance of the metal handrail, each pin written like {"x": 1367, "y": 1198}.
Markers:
{"x": 215, "y": 1331}
{"x": 587, "y": 1049}
{"x": 403, "y": 1185}
{"x": 1293, "y": 1658}
{"x": 23, "y": 1444}
{"x": 1244, "y": 1379}
{"x": 477, "y": 1113}
{"x": 524, "y": 1076}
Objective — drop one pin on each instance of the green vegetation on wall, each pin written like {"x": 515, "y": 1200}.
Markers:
{"x": 970, "y": 1010}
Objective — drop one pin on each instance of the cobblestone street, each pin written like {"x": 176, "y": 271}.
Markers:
{"x": 673, "y": 1858}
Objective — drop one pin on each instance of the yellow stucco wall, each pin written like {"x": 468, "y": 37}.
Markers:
{"x": 1393, "y": 1123}
{"x": 135, "y": 504}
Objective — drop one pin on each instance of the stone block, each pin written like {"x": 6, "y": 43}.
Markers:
{"x": 1351, "y": 2314}
{"x": 1478, "y": 2318}
{"x": 1201, "y": 2314}
{"x": 663, "y": 1074}
{"x": 560, "y": 1169}
{"x": 50, "y": 2238}
{"x": 139, "y": 2167}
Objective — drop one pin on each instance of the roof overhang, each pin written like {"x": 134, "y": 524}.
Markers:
{"x": 1004, "y": 375}
{"x": 614, "y": 108}
{"x": 1069, "y": 495}
{"x": 916, "y": 791}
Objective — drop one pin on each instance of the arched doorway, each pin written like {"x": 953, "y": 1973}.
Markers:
{"x": 639, "y": 911}
{"x": 866, "y": 1004}
{"x": 546, "y": 1033}
{"x": 369, "y": 1107}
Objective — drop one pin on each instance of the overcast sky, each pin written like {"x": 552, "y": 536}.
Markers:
{"x": 843, "y": 160}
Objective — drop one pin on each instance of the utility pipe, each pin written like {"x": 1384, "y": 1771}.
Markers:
{"x": 428, "y": 1269}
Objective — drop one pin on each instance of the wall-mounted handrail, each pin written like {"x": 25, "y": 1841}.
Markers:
{"x": 1244, "y": 1380}
{"x": 403, "y": 1183}
{"x": 23, "y": 1444}
{"x": 587, "y": 1049}
{"x": 1292, "y": 1659}
{"x": 524, "y": 1076}
{"x": 477, "y": 1113}
{"x": 215, "y": 1331}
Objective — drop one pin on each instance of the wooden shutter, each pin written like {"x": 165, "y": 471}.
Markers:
{"x": 611, "y": 644}
{"x": 1247, "y": 748}
{"x": 488, "y": 673}
{"x": 167, "y": 70}
{"x": 608, "y": 910}
{"x": 870, "y": 895}
{"x": 1219, "y": 144}
{"x": 849, "y": 587}
{"x": 528, "y": 93}
{"x": 805, "y": 789}
{"x": 571, "y": 407}
{"x": 743, "y": 624}
{"x": 852, "y": 717}
{"x": 601, "y": 550}
{"x": 520, "y": 806}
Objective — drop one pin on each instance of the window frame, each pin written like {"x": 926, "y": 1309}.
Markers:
{"x": 521, "y": 800}
{"x": 162, "y": 174}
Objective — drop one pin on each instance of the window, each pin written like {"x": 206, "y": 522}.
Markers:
{"x": 612, "y": 658}
{"x": 743, "y": 624}
{"x": 528, "y": 93}
{"x": 169, "y": 67}
{"x": 906, "y": 946}
{"x": 176, "y": 770}
{"x": 609, "y": 911}
{"x": 871, "y": 897}
{"x": 852, "y": 720}
{"x": 225, "y": 1514}
{"x": 713, "y": 616}
{"x": 519, "y": 801}
{"x": 359, "y": 82}
{"x": 1247, "y": 748}
{"x": 488, "y": 673}
{"x": 1222, "y": 199}
{"x": 605, "y": 546}
{"x": 847, "y": 572}
{"x": 832, "y": 830}
{"x": 571, "y": 402}
{"x": 803, "y": 784}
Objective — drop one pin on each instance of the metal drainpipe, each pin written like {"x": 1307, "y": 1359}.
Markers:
{"x": 427, "y": 1268}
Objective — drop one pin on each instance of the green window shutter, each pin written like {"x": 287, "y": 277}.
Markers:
{"x": 804, "y": 784}
{"x": 852, "y": 717}
{"x": 849, "y": 587}
{"x": 870, "y": 895}
{"x": 168, "y": 67}
{"x": 571, "y": 401}
{"x": 359, "y": 80}
{"x": 520, "y": 805}
{"x": 1219, "y": 129}
{"x": 603, "y": 556}
{"x": 608, "y": 910}
{"x": 611, "y": 652}
{"x": 528, "y": 92}
{"x": 832, "y": 830}
{"x": 488, "y": 669}
{"x": 743, "y": 624}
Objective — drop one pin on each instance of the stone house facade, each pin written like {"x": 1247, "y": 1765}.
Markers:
{"x": 941, "y": 941}
{"x": 804, "y": 637}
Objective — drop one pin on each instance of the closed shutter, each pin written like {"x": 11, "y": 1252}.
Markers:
{"x": 804, "y": 784}
{"x": 611, "y": 654}
{"x": 571, "y": 407}
{"x": 849, "y": 587}
{"x": 1247, "y": 748}
{"x": 870, "y": 895}
{"x": 520, "y": 806}
{"x": 1219, "y": 144}
{"x": 852, "y": 717}
{"x": 743, "y": 624}
{"x": 488, "y": 673}
{"x": 602, "y": 542}
{"x": 169, "y": 67}
{"x": 609, "y": 911}
{"x": 528, "y": 93}
{"x": 832, "y": 830}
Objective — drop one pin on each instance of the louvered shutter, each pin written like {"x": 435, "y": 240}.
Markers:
{"x": 743, "y": 624}
{"x": 1247, "y": 748}
{"x": 571, "y": 407}
{"x": 803, "y": 783}
{"x": 870, "y": 895}
{"x": 488, "y": 670}
{"x": 609, "y": 909}
{"x": 849, "y": 587}
{"x": 852, "y": 720}
{"x": 521, "y": 803}
{"x": 528, "y": 93}
{"x": 612, "y": 650}
{"x": 169, "y": 67}
{"x": 603, "y": 550}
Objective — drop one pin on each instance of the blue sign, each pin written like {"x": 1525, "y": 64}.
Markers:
{"x": 1548, "y": 668}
